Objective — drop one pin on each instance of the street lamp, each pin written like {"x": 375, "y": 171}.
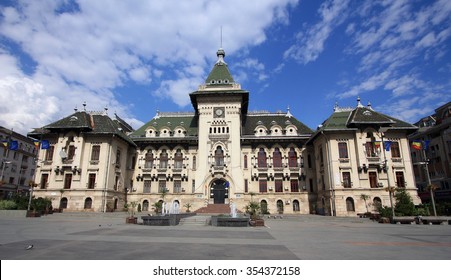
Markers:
{"x": 32, "y": 186}
{"x": 428, "y": 178}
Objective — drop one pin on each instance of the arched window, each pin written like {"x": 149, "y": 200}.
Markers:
{"x": 350, "y": 204}
{"x": 178, "y": 159}
{"x": 164, "y": 159}
{"x": 219, "y": 156}
{"x": 277, "y": 158}
{"x": 245, "y": 161}
{"x": 63, "y": 203}
{"x": 145, "y": 205}
{"x": 377, "y": 203}
{"x": 148, "y": 160}
{"x": 264, "y": 207}
{"x": 280, "y": 206}
{"x": 296, "y": 207}
{"x": 292, "y": 158}
{"x": 262, "y": 158}
{"x": 88, "y": 203}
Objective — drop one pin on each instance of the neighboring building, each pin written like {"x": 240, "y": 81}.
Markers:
{"x": 434, "y": 130}
{"x": 351, "y": 160}
{"x": 223, "y": 154}
{"x": 88, "y": 162}
{"x": 17, "y": 162}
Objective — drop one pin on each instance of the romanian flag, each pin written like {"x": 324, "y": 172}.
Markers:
{"x": 5, "y": 143}
{"x": 36, "y": 144}
{"x": 377, "y": 144}
{"x": 416, "y": 145}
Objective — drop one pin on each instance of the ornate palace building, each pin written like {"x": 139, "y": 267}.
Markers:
{"x": 221, "y": 154}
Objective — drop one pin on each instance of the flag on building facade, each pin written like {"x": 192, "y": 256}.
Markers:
{"x": 426, "y": 144}
{"x": 377, "y": 144}
{"x": 45, "y": 145}
{"x": 5, "y": 143}
{"x": 416, "y": 145}
{"x": 36, "y": 144}
{"x": 14, "y": 145}
{"x": 387, "y": 145}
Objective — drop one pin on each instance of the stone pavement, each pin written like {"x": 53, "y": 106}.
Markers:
{"x": 106, "y": 236}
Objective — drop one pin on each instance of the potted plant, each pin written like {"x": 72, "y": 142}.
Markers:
{"x": 131, "y": 219}
{"x": 157, "y": 207}
{"x": 253, "y": 209}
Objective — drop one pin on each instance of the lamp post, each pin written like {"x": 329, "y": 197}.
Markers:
{"x": 32, "y": 185}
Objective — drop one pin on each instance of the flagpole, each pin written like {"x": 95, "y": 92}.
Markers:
{"x": 390, "y": 190}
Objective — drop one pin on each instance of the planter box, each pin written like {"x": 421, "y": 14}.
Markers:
{"x": 257, "y": 223}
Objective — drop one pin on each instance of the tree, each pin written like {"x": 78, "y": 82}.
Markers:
{"x": 404, "y": 204}
{"x": 365, "y": 197}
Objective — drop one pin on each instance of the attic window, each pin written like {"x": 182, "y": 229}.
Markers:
{"x": 73, "y": 118}
{"x": 212, "y": 82}
{"x": 226, "y": 81}
{"x": 367, "y": 113}
{"x": 273, "y": 122}
{"x": 179, "y": 131}
{"x": 261, "y": 130}
{"x": 259, "y": 122}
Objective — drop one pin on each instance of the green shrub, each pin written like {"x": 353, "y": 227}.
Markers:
{"x": 404, "y": 204}
{"x": 7, "y": 205}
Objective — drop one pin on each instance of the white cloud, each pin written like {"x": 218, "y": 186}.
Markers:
{"x": 311, "y": 43}
{"x": 84, "y": 50}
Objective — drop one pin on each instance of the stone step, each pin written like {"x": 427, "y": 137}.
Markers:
{"x": 214, "y": 209}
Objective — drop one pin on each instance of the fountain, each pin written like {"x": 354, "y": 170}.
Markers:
{"x": 230, "y": 221}
{"x": 170, "y": 216}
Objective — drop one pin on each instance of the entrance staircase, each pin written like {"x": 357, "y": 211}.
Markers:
{"x": 214, "y": 209}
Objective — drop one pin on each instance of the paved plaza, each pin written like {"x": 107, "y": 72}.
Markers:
{"x": 106, "y": 236}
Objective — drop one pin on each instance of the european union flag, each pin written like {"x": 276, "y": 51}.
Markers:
{"x": 14, "y": 145}
{"x": 387, "y": 145}
{"x": 45, "y": 145}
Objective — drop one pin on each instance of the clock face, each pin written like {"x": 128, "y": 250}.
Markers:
{"x": 219, "y": 112}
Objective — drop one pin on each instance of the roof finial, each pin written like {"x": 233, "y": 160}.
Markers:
{"x": 358, "y": 102}
{"x": 335, "y": 106}
{"x": 75, "y": 109}
{"x": 221, "y": 37}
{"x": 369, "y": 106}
{"x": 84, "y": 106}
{"x": 288, "y": 114}
{"x": 105, "y": 110}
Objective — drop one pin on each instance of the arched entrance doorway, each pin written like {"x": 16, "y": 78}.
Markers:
{"x": 219, "y": 191}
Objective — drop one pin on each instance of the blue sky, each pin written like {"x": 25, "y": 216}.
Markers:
{"x": 137, "y": 57}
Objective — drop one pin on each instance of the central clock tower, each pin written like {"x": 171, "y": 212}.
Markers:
{"x": 220, "y": 106}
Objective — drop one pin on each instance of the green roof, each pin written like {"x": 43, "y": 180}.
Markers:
{"x": 220, "y": 74}
{"x": 89, "y": 123}
{"x": 269, "y": 119}
{"x": 186, "y": 120}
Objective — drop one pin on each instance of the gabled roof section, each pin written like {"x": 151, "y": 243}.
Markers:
{"x": 93, "y": 123}
{"x": 79, "y": 120}
{"x": 345, "y": 119}
{"x": 269, "y": 119}
{"x": 169, "y": 120}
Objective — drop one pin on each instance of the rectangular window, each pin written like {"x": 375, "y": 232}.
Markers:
{"x": 343, "y": 150}
{"x": 95, "y": 152}
{"x": 309, "y": 161}
{"x": 246, "y": 186}
{"x": 177, "y": 186}
{"x": 263, "y": 186}
{"x": 395, "y": 152}
{"x": 373, "y": 179}
{"x": 67, "y": 180}
{"x": 294, "y": 185}
{"x": 193, "y": 186}
{"x": 372, "y": 149}
{"x": 49, "y": 153}
{"x": 278, "y": 185}
{"x": 116, "y": 183}
{"x": 161, "y": 186}
{"x": 71, "y": 152}
{"x": 346, "y": 179}
{"x": 400, "y": 182}
{"x": 147, "y": 185}
{"x": 44, "y": 181}
{"x": 92, "y": 181}
{"x": 310, "y": 181}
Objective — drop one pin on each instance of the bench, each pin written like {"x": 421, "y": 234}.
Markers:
{"x": 404, "y": 220}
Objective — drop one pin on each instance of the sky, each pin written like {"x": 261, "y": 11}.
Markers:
{"x": 138, "y": 57}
